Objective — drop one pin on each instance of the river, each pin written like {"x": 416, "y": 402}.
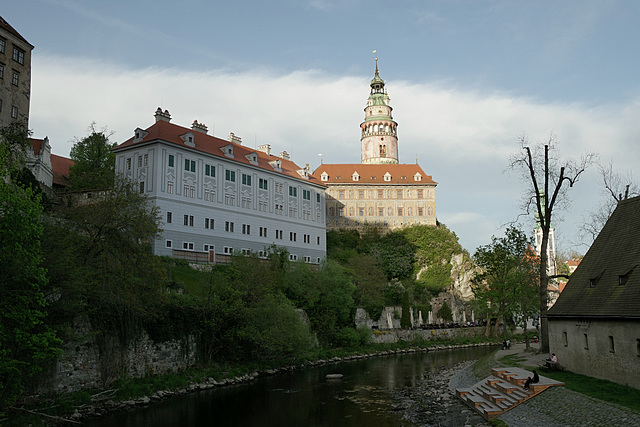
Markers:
{"x": 364, "y": 397}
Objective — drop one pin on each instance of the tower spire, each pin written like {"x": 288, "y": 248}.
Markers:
{"x": 378, "y": 140}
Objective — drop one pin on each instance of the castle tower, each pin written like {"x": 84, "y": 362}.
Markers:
{"x": 379, "y": 140}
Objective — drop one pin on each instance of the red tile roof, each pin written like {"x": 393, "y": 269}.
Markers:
{"x": 169, "y": 132}
{"x": 5, "y": 25}
{"x": 60, "y": 166}
{"x": 373, "y": 174}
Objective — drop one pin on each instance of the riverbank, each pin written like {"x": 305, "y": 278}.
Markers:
{"x": 556, "y": 407}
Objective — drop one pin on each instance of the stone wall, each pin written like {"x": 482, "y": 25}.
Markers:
{"x": 90, "y": 361}
{"x": 606, "y": 349}
{"x": 395, "y": 335}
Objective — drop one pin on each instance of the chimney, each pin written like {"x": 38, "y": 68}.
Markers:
{"x": 235, "y": 139}
{"x": 266, "y": 148}
{"x": 285, "y": 155}
{"x": 162, "y": 115}
{"x": 199, "y": 127}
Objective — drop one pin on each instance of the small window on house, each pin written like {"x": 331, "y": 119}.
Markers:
{"x": 18, "y": 55}
{"x": 171, "y": 160}
{"x": 168, "y": 243}
{"x": 169, "y": 217}
{"x": 14, "y": 112}
{"x": 622, "y": 280}
{"x": 141, "y": 187}
{"x": 564, "y": 339}
{"x": 586, "y": 342}
{"x": 611, "y": 346}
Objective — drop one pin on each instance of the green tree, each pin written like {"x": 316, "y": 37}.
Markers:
{"x": 274, "y": 330}
{"x": 445, "y": 312}
{"x": 505, "y": 283}
{"x": 329, "y": 302}
{"x": 14, "y": 143}
{"x": 94, "y": 162}
{"x": 370, "y": 283}
{"x": 99, "y": 257}
{"x": 405, "y": 320}
{"x": 25, "y": 341}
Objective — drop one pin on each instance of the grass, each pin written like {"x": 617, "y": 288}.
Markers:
{"x": 593, "y": 387}
{"x": 599, "y": 389}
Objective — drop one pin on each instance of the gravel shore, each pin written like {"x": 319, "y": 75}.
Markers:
{"x": 432, "y": 402}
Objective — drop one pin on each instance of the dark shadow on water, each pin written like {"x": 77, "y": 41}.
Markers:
{"x": 305, "y": 398}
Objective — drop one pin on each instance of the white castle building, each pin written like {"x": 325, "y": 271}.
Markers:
{"x": 218, "y": 196}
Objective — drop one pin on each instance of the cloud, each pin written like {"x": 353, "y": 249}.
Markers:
{"x": 461, "y": 137}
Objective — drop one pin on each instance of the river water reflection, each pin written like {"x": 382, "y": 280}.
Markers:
{"x": 304, "y": 398}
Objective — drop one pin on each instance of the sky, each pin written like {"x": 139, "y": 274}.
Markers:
{"x": 467, "y": 80}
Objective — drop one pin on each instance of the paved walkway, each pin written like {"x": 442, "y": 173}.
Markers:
{"x": 559, "y": 407}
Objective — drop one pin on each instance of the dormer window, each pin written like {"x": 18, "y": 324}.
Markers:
{"x": 324, "y": 176}
{"x": 594, "y": 280}
{"x": 417, "y": 177}
{"x": 253, "y": 158}
{"x": 387, "y": 177}
{"x": 227, "y": 150}
{"x": 276, "y": 164}
{"x": 624, "y": 278}
{"x": 304, "y": 172}
{"x": 355, "y": 176}
{"x": 188, "y": 139}
{"x": 139, "y": 135}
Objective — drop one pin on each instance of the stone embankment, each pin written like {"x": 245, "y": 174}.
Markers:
{"x": 103, "y": 403}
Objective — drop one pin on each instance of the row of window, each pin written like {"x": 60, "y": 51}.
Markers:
{"x": 15, "y": 76}
{"x": 18, "y": 54}
{"x": 399, "y": 194}
{"x": 381, "y": 211}
{"x": 229, "y": 226}
{"x": 228, "y": 250}
{"x": 611, "y": 342}
{"x": 346, "y": 221}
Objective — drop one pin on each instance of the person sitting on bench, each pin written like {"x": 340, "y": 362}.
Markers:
{"x": 530, "y": 380}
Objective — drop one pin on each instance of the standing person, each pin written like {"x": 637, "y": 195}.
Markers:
{"x": 530, "y": 380}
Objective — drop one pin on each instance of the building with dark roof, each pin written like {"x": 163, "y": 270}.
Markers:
{"x": 218, "y": 196}
{"x": 15, "y": 75}
{"x": 378, "y": 191}
{"x": 594, "y": 326}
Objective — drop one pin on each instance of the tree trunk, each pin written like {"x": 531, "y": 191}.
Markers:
{"x": 526, "y": 334}
{"x": 544, "y": 282}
